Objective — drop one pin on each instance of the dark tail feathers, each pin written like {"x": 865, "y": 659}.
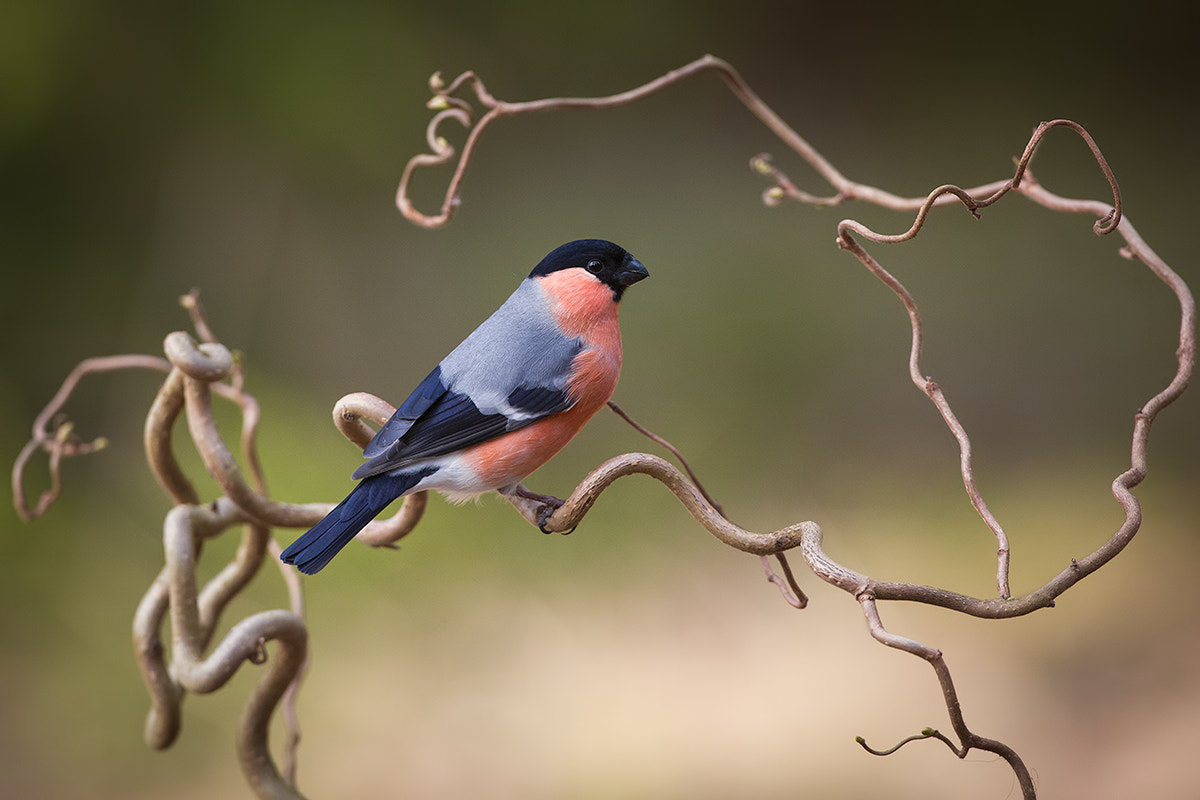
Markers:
{"x": 317, "y": 547}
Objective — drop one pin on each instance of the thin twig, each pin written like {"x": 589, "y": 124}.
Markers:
{"x": 934, "y": 392}
{"x": 928, "y": 733}
{"x": 672, "y": 449}
{"x": 969, "y": 739}
{"x": 793, "y": 595}
{"x": 59, "y": 440}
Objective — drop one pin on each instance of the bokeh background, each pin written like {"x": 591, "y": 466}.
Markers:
{"x": 252, "y": 150}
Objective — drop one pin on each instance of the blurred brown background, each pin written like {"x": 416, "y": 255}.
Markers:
{"x": 252, "y": 150}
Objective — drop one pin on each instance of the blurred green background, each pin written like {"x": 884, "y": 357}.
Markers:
{"x": 253, "y": 149}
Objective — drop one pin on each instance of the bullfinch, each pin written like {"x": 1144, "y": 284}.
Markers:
{"x": 503, "y": 402}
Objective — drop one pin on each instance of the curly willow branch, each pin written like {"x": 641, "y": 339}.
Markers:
{"x": 1109, "y": 218}
{"x": 460, "y": 111}
{"x": 194, "y": 612}
{"x": 193, "y": 371}
{"x": 54, "y": 435}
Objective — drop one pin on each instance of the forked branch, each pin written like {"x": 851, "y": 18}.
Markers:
{"x": 970, "y": 741}
{"x": 1109, "y": 218}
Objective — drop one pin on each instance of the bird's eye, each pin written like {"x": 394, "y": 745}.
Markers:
{"x": 594, "y": 267}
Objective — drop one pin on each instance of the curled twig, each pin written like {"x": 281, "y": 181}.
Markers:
{"x": 1111, "y": 218}
{"x": 793, "y": 595}
{"x": 56, "y": 436}
{"x": 928, "y": 733}
{"x": 654, "y": 437}
{"x": 191, "y": 302}
{"x": 461, "y": 112}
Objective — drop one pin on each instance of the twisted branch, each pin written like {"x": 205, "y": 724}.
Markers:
{"x": 454, "y": 108}
{"x": 1109, "y": 218}
{"x": 194, "y": 611}
{"x": 193, "y": 672}
{"x": 54, "y": 435}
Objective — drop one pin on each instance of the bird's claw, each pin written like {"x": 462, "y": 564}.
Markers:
{"x": 549, "y": 506}
{"x": 537, "y": 508}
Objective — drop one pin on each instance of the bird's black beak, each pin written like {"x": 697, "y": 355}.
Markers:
{"x": 631, "y": 272}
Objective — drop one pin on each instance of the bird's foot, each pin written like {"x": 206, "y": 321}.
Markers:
{"x": 546, "y": 506}
{"x": 547, "y": 511}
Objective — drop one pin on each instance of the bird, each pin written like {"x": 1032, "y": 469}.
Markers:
{"x": 502, "y": 403}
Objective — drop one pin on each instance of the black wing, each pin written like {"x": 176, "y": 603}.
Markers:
{"x": 435, "y": 421}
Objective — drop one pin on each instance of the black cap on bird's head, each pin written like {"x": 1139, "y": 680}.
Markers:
{"x": 609, "y": 262}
